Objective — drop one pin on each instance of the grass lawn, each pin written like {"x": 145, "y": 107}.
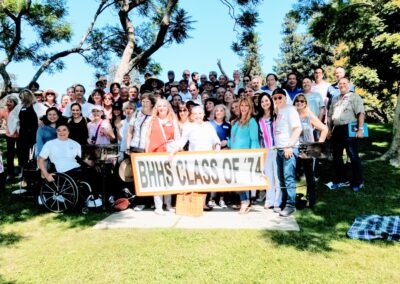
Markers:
{"x": 39, "y": 247}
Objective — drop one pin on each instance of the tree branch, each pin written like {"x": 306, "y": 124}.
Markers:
{"x": 159, "y": 40}
{"x": 77, "y": 49}
{"x": 53, "y": 58}
{"x": 17, "y": 39}
{"x": 91, "y": 25}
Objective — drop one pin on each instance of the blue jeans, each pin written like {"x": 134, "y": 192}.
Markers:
{"x": 244, "y": 196}
{"x": 287, "y": 176}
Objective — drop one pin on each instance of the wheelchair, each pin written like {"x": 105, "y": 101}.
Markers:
{"x": 64, "y": 193}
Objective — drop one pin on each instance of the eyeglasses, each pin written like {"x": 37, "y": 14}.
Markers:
{"x": 299, "y": 101}
{"x": 183, "y": 110}
{"x": 230, "y": 86}
{"x": 277, "y": 98}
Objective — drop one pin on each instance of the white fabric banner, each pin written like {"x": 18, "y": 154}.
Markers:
{"x": 228, "y": 170}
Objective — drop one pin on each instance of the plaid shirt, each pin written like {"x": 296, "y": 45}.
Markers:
{"x": 371, "y": 227}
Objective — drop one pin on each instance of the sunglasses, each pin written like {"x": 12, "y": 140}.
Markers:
{"x": 50, "y": 94}
{"x": 278, "y": 98}
{"x": 300, "y": 101}
{"x": 246, "y": 80}
{"x": 230, "y": 86}
{"x": 183, "y": 110}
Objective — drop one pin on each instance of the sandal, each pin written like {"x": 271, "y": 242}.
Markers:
{"x": 244, "y": 209}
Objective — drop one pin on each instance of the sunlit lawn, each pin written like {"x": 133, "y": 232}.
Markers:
{"x": 39, "y": 247}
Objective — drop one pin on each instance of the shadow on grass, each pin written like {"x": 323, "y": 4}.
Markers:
{"x": 7, "y": 239}
{"x": 335, "y": 211}
{"x": 4, "y": 281}
{"x": 78, "y": 220}
{"x": 23, "y": 208}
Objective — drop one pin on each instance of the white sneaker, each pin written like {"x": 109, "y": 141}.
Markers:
{"x": 212, "y": 203}
{"x": 222, "y": 204}
{"x": 170, "y": 209}
{"x": 159, "y": 212}
{"x": 138, "y": 208}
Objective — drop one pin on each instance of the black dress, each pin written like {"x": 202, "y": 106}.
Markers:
{"x": 28, "y": 123}
{"x": 79, "y": 131}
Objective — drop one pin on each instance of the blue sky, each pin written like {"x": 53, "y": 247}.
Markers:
{"x": 210, "y": 40}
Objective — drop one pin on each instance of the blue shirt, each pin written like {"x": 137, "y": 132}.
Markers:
{"x": 333, "y": 90}
{"x": 244, "y": 136}
{"x": 223, "y": 130}
{"x": 293, "y": 93}
{"x": 43, "y": 135}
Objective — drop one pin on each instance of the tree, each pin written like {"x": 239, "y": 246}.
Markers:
{"x": 247, "y": 45}
{"x": 46, "y": 21}
{"x": 300, "y": 53}
{"x": 370, "y": 31}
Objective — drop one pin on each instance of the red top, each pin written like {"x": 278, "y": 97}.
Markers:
{"x": 157, "y": 142}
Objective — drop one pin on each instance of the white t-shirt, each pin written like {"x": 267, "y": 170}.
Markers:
{"x": 287, "y": 118}
{"x": 322, "y": 89}
{"x": 62, "y": 154}
{"x": 201, "y": 137}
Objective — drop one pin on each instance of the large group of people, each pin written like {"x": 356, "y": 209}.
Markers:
{"x": 197, "y": 112}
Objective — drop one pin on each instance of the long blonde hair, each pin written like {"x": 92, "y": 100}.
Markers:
{"x": 171, "y": 114}
{"x": 245, "y": 120}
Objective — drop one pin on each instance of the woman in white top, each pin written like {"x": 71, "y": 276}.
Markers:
{"x": 201, "y": 136}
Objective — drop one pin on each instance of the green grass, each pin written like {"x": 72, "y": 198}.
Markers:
{"x": 39, "y": 247}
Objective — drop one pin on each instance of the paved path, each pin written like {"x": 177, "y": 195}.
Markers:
{"x": 258, "y": 218}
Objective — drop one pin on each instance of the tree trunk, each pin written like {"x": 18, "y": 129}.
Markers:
{"x": 393, "y": 154}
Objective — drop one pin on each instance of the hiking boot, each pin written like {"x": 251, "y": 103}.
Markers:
{"x": 289, "y": 210}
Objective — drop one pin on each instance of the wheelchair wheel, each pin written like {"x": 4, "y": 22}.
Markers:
{"x": 61, "y": 195}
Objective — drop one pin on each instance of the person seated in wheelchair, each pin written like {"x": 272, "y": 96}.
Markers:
{"x": 65, "y": 154}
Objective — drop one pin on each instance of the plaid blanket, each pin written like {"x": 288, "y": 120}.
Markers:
{"x": 372, "y": 227}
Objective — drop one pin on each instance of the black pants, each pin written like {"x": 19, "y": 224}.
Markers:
{"x": 11, "y": 143}
{"x": 341, "y": 141}
{"x": 308, "y": 166}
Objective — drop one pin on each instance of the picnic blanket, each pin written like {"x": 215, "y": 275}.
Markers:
{"x": 373, "y": 227}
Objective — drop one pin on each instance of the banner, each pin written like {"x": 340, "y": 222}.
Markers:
{"x": 227, "y": 170}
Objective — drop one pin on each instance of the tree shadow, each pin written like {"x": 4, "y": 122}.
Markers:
{"x": 7, "y": 239}
{"x": 335, "y": 211}
{"x": 79, "y": 220}
{"x": 4, "y": 281}
{"x": 22, "y": 208}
